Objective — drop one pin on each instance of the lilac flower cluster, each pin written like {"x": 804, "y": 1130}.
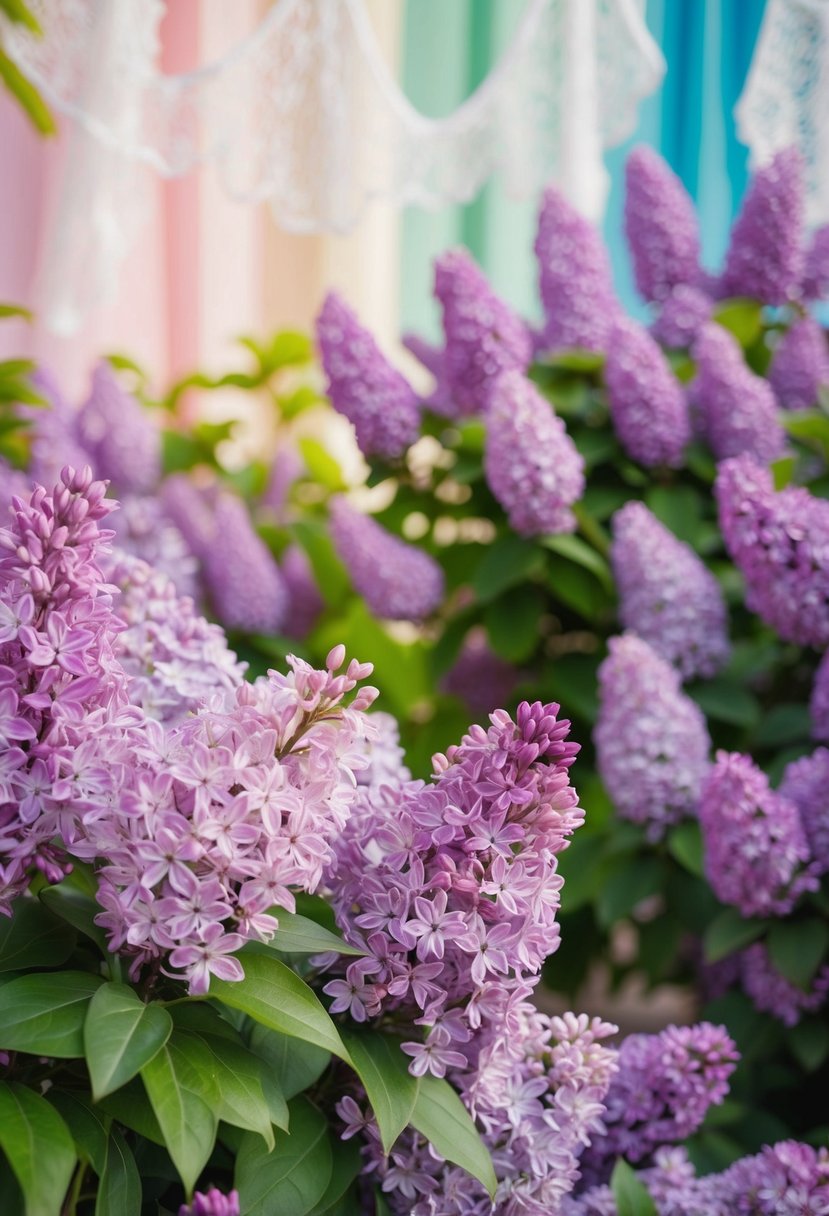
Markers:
{"x": 245, "y": 584}
{"x": 756, "y": 854}
{"x": 532, "y": 465}
{"x": 479, "y": 677}
{"x": 651, "y": 740}
{"x": 286, "y": 468}
{"x": 483, "y": 336}
{"x": 764, "y": 258}
{"x": 736, "y": 410}
{"x": 667, "y": 595}
{"x": 212, "y": 1203}
{"x": 55, "y": 442}
{"x": 800, "y": 365}
{"x": 815, "y": 284}
{"x": 819, "y": 701}
{"x": 378, "y": 401}
{"x": 305, "y": 603}
{"x": 660, "y": 225}
{"x": 778, "y": 540}
{"x": 123, "y": 442}
{"x": 144, "y": 530}
{"x": 806, "y": 784}
{"x": 574, "y": 278}
{"x": 682, "y": 315}
{"x": 647, "y": 405}
{"x": 398, "y": 581}
{"x": 772, "y": 993}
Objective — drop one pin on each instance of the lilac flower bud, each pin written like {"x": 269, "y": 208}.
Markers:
{"x": 398, "y": 581}
{"x": 764, "y": 257}
{"x": 683, "y": 314}
{"x": 667, "y": 595}
{"x": 755, "y": 847}
{"x": 815, "y": 285}
{"x": 779, "y": 543}
{"x": 480, "y": 678}
{"x": 245, "y": 585}
{"x": 806, "y": 784}
{"x": 575, "y": 281}
{"x": 483, "y": 335}
{"x": 379, "y": 402}
{"x": 212, "y": 1203}
{"x": 647, "y": 404}
{"x": 304, "y": 600}
{"x": 737, "y": 410}
{"x": 660, "y": 225}
{"x": 651, "y": 740}
{"x": 772, "y": 993}
{"x": 120, "y": 435}
{"x": 532, "y": 465}
{"x": 800, "y": 365}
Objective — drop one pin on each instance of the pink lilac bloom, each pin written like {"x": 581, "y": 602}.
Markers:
{"x": 479, "y": 677}
{"x": 574, "y": 276}
{"x": 362, "y": 384}
{"x": 772, "y": 993}
{"x": 756, "y": 852}
{"x": 647, "y": 404}
{"x": 682, "y": 315}
{"x": 398, "y": 581}
{"x": 305, "y": 602}
{"x": 120, "y": 435}
{"x": 800, "y": 365}
{"x": 212, "y": 1203}
{"x": 764, "y": 259}
{"x": 245, "y": 585}
{"x": 806, "y": 783}
{"x": 651, "y": 739}
{"x": 667, "y": 595}
{"x": 531, "y": 464}
{"x": 483, "y": 337}
{"x": 780, "y": 543}
{"x": 815, "y": 284}
{"x": 660, "y": 225}
{"x": 736, "y": 410}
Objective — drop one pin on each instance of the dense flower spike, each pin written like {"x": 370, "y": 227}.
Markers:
{"x": 764, "y": 258}
{"x": 667, "y": 595}
{"x": 736, "y": 410}
{"x": 682, "y": 316}
{"x": 397, "y": 580}
{"x": 187, "y": 507}
{"x": 483, "y": 335}
{"x": 647, "y": 405}
{"x": 287, "y": 467}
{"x": 212, "y": 1203}
{"x": 772, "y": 993}
{"x": 651, "y": 740}
{"x": 246, "y": 587}
{"x": 574, "y": 277}
{"x": 800, "y": 365}
{"x": 660, "y": 225}
{"x": 305, "y": 603}
{"x": 378, "y": 401}
{"x": 815, "y": 284}
{"x": 532, "y": 465}
{"x": 756, "y": 853}
{"x": 120, "y": 436}
{"x": 55, "y": 440}
{"x": 479, "y": 677}
{"x": 806, "y": 783}
{"x": 143, "y": 529}
{"x": 779, "y": 542}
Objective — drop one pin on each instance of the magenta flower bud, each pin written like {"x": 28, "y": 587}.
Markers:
{"x": 647, "y": 405}
{"x": 806, "y": 784}
{"x": 756, "y": 852}
{"x": 800, "y": 365}
{"x": 483, "y": 336}
{"x": 575, "y": 280}
{"x": 667, "y": 595}
{"x": 246, "y": 587}
{"x": 651, "y": 739}
{"x": 815, "y": 285}
{"x": 682, "y": 316}
{"x": 737, "y": 410}
{"x": 660, "y": 225}
{"x": 532, "y": 465}
{"x": 120, "y": 435}
{"x": 764, "y": 258}
{"x": 377, "y": 400}
{"x": 398, "y": 581}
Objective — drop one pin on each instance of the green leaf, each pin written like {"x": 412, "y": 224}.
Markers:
{"x": 299, "y": 935}
{"x": 119, "y": 1192}
{"x": 27, "y": 95}
{"x": 729, "y": 932}
{"x": 321, "y": 464}
{"x": 577, "y": 588}
{"x": 291, "y": 405}
{"x": 290, "y": 348}
{"x": 685, "y": 846}
{"x": 783, "y": 471}
{"x": 582, "y": 870}
{"x": 294, "y": 1065}
{"x": 346, "y": 1162}
{"x": 576, "y": 550}
{"x": 131, "y": 1106}
{"x": 184, "y": 1094}
{"x": 442, "y": 1118}
{"x": 797, "y": 948}
{"x": 809, "y": 1043}
{"x": 679, "y": 508}
{"x": 77, "y": 909}
{"x": 16, "y": 310}
{"x": 783, "y": 724}
{"x": 742, "y": 317}
{"x": 632, "y": 880}
{"x": 512, "y": 623}
{"x": 239, "y": 1074}
{"x": 44, "y": 1014}
{"x": 18, "y": 11}
{"x": 293, "y": 1178}
{"x": 577, "y": 360}
{"x": 391, "y": 1088}
{"x": 507, "y": 561}
{"x": 726, "y": 701}
{"x": 276, "y": 997}
{"x": 121, "y": 1034}
{"x": 38, "y": 1146}
{"x": 89, "y": 1128}
{"x": 631, "y": 1195}
{"x": 33, "y": 937}
{"x": 329, "y": 572}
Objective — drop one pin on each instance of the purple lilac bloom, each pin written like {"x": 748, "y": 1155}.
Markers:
{"x": 660, "y": 225}
{"x": 682, "y": 315}
{"x": 398, "y": 581}
{"x": 120, "y": 435}
{"x": 479, "y": 677}
{"x": 143, "y": 529}
{"x": 764, "y": 258}
{"x": 186, "y": 505}
{"x": 287, "y": 467}
{"x": 819, "y": 702}
{"x": 800, "y": 365}
{"x": 54, "y": 430}
{"x": 305, "y": 603}
{"x": 212, "y": 1203}
{"x": 386, "y": 758}
{"x": 772, "y": 993}
{"x": 736, "y": 410}
{"x": 806, "y": 783}
{"x": 647, "y": 404}
{"x": 815, "y": 285}
{"x": 532, "y": 465}
{"x": 651, "y": 740}
{"x": 778, "y": 540}
{"x": 667, "y": 595}
{"x": 574, "y": 275}
{"x": 246, "y": 587}
{"x": 756, "y": 853}
{"x": 12, "y": 481}
{"x": 378, "y": 401}
{"x": 483, "y": 336}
